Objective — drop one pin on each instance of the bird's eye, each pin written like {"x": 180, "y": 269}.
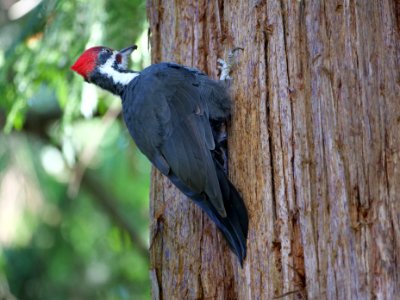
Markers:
{"x": 107, "y": 50}
{"x": 118, "y": 58}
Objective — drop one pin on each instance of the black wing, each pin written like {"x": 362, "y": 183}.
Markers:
{"x": 167, "y": 110}
{"x": 167, "y": 114}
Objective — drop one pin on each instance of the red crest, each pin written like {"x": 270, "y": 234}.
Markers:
{"x": 87, "y": 61}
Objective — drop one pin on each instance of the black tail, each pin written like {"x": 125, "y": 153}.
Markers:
{"x": 235, "y": 226}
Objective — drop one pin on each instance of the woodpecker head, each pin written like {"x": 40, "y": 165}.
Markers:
{"x": 105, "y": 67}
{"x": 103, "y": 60}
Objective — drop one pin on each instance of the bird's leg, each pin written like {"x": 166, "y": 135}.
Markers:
{"x": 221, "y": 143}
{"x": 226, "y": 65}
{"x": 220, "y": 132}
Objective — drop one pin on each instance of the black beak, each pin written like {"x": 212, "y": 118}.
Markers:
{"x": 127, "y": 51}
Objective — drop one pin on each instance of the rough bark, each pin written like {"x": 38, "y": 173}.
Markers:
{"x": 314, "y": 147}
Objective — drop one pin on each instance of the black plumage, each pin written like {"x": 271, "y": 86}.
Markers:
{"x": 179, "y": 102}
{"x": 174, "y": 114}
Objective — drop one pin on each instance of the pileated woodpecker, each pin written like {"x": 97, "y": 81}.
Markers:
{"x": 175, "y": 113}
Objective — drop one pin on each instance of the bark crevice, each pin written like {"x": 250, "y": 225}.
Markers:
{"x": 315, "y": 163}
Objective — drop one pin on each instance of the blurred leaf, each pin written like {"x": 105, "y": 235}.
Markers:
{"x": 67, "y": 248}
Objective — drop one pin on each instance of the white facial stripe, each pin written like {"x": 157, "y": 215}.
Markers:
{"x": 118, "y": 77}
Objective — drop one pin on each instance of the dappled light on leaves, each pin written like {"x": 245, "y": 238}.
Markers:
{"x": 73, "y": 188}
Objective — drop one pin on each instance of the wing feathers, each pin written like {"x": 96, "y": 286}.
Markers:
{"x": 169, "y": 119}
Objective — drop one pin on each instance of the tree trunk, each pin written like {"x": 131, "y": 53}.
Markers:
{"x": 314, "y": 147}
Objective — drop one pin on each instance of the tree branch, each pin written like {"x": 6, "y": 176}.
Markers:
{"x": 107, "y": 202}
{"x": 36, "y": 125}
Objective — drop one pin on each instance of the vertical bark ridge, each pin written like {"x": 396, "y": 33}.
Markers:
{"x": 313, "y": 147}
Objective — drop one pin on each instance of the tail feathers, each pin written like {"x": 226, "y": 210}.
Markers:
{"x": 235, "y": 226}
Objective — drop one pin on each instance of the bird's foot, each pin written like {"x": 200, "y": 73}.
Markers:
{"x": 226, "y": 65}
{"x": 221, "y": 143}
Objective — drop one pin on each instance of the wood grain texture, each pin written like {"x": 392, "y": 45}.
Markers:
{"x": 314, "y": 147}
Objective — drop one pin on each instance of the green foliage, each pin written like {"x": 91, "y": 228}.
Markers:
{"x": 61, "y": 237}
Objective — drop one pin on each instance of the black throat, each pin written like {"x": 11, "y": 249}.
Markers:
{"x": 109, "y": 83}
